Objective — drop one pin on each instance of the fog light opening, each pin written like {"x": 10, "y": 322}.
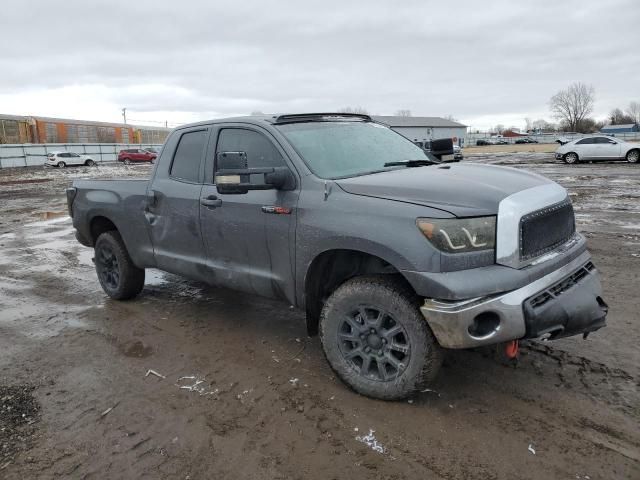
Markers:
{"x": 484, "y": 324}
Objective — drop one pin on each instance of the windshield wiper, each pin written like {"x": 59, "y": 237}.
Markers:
{"x": 411, "y": 163}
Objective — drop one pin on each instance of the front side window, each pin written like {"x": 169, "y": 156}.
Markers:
{"x": 261, "y": 152}
{"x": 345, "y": 148}
{"x": 188, "y": 155}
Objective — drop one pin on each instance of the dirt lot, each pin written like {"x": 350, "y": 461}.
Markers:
{"x": 512, "y": 148}
{"x": 243, "y": 393}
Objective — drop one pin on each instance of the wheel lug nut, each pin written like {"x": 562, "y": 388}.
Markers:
{"x": 373, "y": 330}
{"x": 384, "y": 340}
{"x": 367, "y": 349}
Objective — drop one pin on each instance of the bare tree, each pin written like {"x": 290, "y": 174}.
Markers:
{"x": 450, "y": 117}
{"x": 358, "y": 109}
{"x": 499, "y": 129}
{"x": 573, "y": 105}
{"x": 633, "y": 110}
{"x": 257, "y": 112}
{"x": 543, "y": 125}
{"x": 618, "y": 117}
{"x": 403, "y": 113}
{"x": 528, "y": 124}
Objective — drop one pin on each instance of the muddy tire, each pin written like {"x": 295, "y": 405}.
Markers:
{"x": 633, "y": 156}
{"x": 571, "y": 158}
{"x": 118, "y": 276}
{"x": 376, "y": 340}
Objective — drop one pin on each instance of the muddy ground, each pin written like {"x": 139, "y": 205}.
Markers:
{"x": 243, "y": 393}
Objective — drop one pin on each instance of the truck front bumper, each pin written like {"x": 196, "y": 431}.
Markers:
{"x": 567, "y": 301}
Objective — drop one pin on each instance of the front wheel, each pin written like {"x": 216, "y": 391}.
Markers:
{"x": 376, "y": 339}
{"x": 89, "y": 163}
{"x": 571, "y": 158}
{"x": 118, "y": 276}
{"x": 127, "y": 161}
{"x": 633, "y": 156}
{"x": 61, "y": 164}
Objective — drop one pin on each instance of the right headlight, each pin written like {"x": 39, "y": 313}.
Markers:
{"x": 459, "y": 235}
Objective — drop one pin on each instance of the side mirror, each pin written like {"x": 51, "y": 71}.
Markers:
{"x": 233, "y": 176}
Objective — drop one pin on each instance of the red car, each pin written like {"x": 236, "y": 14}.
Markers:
{"x": 131, "y": 155}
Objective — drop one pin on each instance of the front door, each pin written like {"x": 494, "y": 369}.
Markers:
{"x": 173, "y": 205}
{"x": 606, "y": 149}
{"x": 250, "y": 237}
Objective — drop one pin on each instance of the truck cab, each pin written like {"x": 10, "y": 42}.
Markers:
{"x": 393, "y": 256}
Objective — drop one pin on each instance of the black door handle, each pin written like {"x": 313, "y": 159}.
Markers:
{"x": 211, "y": 201}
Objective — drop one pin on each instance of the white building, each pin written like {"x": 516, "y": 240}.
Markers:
{"x": 420, "y": 129}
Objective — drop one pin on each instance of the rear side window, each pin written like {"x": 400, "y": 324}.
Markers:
{"x": 586, "y": 141}
{"x": 186, "y": 160}
{"x": 604, "y": 140}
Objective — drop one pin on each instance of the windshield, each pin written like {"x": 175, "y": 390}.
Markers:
{"x": 346, "y": 149}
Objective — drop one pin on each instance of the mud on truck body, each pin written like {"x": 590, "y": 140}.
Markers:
{"x": 393, "y": 258}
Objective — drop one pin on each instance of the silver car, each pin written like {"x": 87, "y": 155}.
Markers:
{"x": 598, "y": 147}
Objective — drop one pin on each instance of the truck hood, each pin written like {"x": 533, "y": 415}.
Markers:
{"x": 463, "y": 190}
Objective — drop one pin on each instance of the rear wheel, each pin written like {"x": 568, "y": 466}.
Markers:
{"x": 89, "y": 163}
{"x": 376, "y": 339}
{"x": 633, "y": 156}
{"x": 62, "y": 164}
{"x": 571, "y": 158}
{"x": 118, "y": 276}
{"x": 127, "y": 161}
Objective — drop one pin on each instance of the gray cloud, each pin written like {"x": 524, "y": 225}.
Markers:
{"x": 466, "y": 58}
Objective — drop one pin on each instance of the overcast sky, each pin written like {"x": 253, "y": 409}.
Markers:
{"x": 482, "y": 62}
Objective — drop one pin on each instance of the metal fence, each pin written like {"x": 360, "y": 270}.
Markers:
{"x": 472, "y": 138}
{"x": 26, "y": 155}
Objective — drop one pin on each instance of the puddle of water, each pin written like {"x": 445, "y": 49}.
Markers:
{"x": 136, "y": 349}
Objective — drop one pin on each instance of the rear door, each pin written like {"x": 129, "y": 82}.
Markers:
{"x": 250, "y": 237}
{"x": 586, "y": 148}
{"x": 173, "y": 204}
{"x": 137, "y": 155}
{"x": 75, "y": 159}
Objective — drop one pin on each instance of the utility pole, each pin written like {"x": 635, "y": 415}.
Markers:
{"x": 124, "y": 115}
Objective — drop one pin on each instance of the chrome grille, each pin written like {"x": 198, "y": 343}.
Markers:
{"x": 546, "y": 229}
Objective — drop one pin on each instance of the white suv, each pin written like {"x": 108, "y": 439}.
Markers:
{"x": 62, "y": 159}
{"x": 598, "y": 148}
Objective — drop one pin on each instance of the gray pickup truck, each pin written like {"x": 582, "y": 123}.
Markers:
{"x": 393, "y": 257}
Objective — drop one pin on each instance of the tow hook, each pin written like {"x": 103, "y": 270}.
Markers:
{"x": 511, "y": 349}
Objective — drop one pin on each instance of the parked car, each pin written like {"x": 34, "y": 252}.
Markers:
{"x": 393, "y": 257}
{"x": 63, "y": 159}
{"x": 457, "y": 153}
{"x": 596, "y": 148}
{"x": 132, "y": 155}
{"x": 484, "y": 141}
{"x": 501, "y": 141}
{"x": 526, "y": 140}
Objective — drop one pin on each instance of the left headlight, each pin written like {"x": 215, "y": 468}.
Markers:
{"x": 459, "y": 235}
